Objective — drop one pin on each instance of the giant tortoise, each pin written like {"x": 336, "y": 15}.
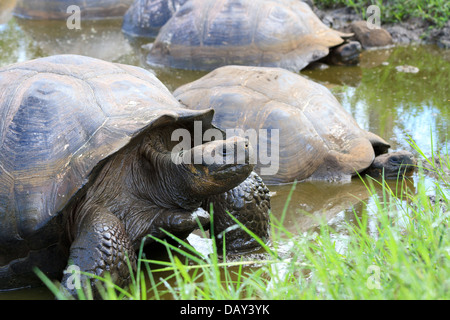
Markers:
{"x": 144, "y": 18}
{"x": 316, "y": 138}
{"x": 61, "y": 9}
{"x": 87, "y": 170}
{"x": 205, "y": 34}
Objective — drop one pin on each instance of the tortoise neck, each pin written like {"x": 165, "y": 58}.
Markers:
{"x": 135, "y": 189}
{"x": 168, "y": 183}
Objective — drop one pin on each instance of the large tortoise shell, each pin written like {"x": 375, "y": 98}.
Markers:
{"x": 57, "y": 9}
{"x": 61, "y": 117}
{"x": 145, "y": 18}
{"x": 207, "y": 34}
{"x": 318, "y": 138}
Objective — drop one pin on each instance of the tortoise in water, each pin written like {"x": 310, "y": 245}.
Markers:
{"x": 144, "y": 18}
{"x": 317, "y": 138}
{"x": 58, "y": 9}
{"x": 86, "y": 170}
{"x": 204, "y": 35}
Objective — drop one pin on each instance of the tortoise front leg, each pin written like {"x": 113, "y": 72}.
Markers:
{"x": 249, "y": 203}
{"x": 101, "y": 245}
{"x": 177, "y": 222}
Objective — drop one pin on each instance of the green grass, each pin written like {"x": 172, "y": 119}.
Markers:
{"x": 399, "y": 248}
{"x": 437, "y": 12}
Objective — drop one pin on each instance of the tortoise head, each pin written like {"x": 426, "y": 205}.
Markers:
{"x": 217, "y": 166}
{"x": 347, "y": 53}
{"x": 188, "y": 172}
{"x": 393, "y": 165}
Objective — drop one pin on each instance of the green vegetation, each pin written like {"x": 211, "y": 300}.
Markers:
{"x": 399, "y": 248}
{"x": 437, "y": 12}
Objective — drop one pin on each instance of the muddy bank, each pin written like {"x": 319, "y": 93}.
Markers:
{"x": 411, "y": 31}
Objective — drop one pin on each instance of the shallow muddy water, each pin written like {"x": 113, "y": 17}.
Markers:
{"x": 395, "y": 105}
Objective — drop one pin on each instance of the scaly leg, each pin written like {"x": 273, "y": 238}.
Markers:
{"x": 249, "y": 203}
{"x": 101, "y": 246}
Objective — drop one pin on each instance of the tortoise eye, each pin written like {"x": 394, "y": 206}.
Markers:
{"x": 395, "y": 160}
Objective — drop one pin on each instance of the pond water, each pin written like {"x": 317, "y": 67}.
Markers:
{"x": 395, "y": 105}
